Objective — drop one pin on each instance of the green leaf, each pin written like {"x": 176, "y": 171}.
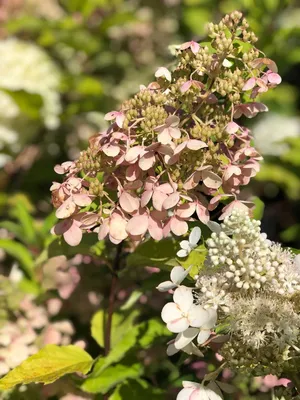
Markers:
{"x": 110, "y": 377}
{"x": 29, "y": 103}
{"x": 12, "y": 227}
{"x": 137, "y": 390}
{"x": 48, "y": 365}
{"x": 121, "y": 324}
{"x": 152, "y": 330}
{"x": 155, "y": 254}
{"x": 259, "y": 208}
{"x": 196, "y": 259}
{"x": 20, "y": 212}
{"x": 59, "y": 247}
{"x": 133, "y": 298}
{"x": 19, "y": 252}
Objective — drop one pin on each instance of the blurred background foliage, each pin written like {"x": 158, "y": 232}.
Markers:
{"x": 64, "y": 64}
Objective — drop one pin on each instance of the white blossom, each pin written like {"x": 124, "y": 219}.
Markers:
{"x": 178, "y": 274}
{"x": 197, "y": 391}
{"x": 188, "y": 245}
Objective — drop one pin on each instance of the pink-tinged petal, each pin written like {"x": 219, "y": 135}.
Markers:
{"x": 192, "y": 181}
{"x": 66, "y": 209}
{"x": 264, "y": 61}
{"x": 232, "y": 127}
{"x": 195, "y": 47}
{"x": 274, "y": 79}
{"x": 203, "y": 336}
{"x": 73, "y": 235}
{"x": 111, "y": 115}
{"x": 87, "y": 219}
{"x": 111, "y": 150}
{"x": 157, "y": 199}
{"x": 250, "y": 83}
{"x": 185, "y": 394}
{"x": 133, "y": 185}
{"x": 82, "y": 200}
{"x": 103, "y": 230}
{"x": 162, "y": 71}
{"x": 62, "y": 227}
{"x": 129, "y": 202}
{"x": 197, "y": 316}
{"x": 165, "y": 150}
{"x": 231, "y": 170}
{"x": 146, "y": 197}
{"x": 185, "y": 337}
{"x": 186, "y": 210}
{"x": 178, "y": 226}
{"x": 183, "y": 297}
{"x": 147, "y": 161}
{"x": 137, "y": 225}
{"x": 170, "y": 312}
{"x": 155, "y": 228}
{"x": 186, "y": 86}
{"x": 113, "y": 240}
{"x": 164, "y": 136}
{"x": 133, "y": 153}
{"x": 117, "y": 227}
{"x": 172, "y": 121}
{"x": 180, "y": 147}
{"x": 211, "y": 180}
{"x": 194, "y": 144}
{"x": 165, "y": 188}
{"x": 202, "y": 213}
{"x": 165, "y": 286}
{"x": 133, "y": 172}
{"x": 120, "y": 119}
{"x": 171, "y": 201}
{"x": 55, "y": 186}
{"x": 178, "y": 325}
{"x": 174, "y": 132}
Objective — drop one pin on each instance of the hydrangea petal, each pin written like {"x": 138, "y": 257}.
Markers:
{"x": 137, "y": 225}
{"x": 170, "y": 312}
{"x": 185, "y": 337}
{"x": 183, "y": 296}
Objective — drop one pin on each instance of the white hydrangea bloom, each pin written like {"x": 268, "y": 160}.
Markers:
{"x": 24, "y": 66}
{"x": 188, "y": 245}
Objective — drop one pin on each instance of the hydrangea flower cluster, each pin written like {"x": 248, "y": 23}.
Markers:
{"x": 245, "y": 301}
{"x": 174, "y": 149}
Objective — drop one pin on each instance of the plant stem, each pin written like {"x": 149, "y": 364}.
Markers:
{"x": 111, "y": 304}
{"x": 110, "y": 311}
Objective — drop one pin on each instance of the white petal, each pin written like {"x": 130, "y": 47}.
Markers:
{"x": 203, "y": 336}
{"x": 178, "y": 325}
{"x": 185, "y": 394}
{"x": 183, "y": 296}
{"x": 210, "y": 323}
{"x": 198, "y": 316}
{"x": 214, "y": 226}
{"x": 185, "y": 245}
{"x": 178, "y": 274}
{"x": 195, "y": 235}
{"x": 171, "y": 349}
{"x": 191, "y": 348}
{"x": 170, "y": 312}
{"x": 184, "y": 338}
{"x": 165, "y": 286}
{"x": 182, "y": 253}
{"x": 190, "y": 384}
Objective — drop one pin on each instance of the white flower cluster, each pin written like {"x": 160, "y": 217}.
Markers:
{"x": 25, "y": 66}
{"x": 250, "y": 288}
{"x": 246, "y": 259}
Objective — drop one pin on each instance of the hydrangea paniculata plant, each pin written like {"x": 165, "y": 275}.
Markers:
{"x": 244, "y": 303}
{"x": 174, "y": 150}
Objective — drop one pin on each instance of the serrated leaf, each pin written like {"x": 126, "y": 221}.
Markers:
{"x": 110, "y": 377}
{"x": 20, "y": 253}
{"x": 48, "y": 365}
{"x": 196, "y": 259}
